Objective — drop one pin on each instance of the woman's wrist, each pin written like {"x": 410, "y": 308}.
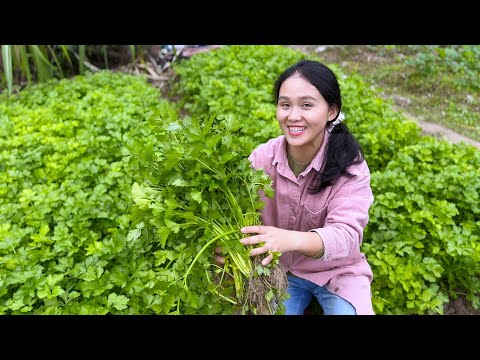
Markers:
{"x": 311, "y": 245}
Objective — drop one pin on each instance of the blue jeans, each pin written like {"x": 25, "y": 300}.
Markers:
{"x": 302, "y": 292}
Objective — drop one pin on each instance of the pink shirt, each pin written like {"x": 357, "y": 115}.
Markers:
{"x": 338, "y": 214}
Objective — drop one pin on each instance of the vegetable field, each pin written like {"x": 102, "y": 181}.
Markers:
{"x": 113, "y": 196}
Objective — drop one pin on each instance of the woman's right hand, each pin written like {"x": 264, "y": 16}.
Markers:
{"x": 219, "y": 258}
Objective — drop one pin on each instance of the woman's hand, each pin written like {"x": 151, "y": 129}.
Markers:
{"x": 273, "y": 239}
{"x": 268, "y": 236}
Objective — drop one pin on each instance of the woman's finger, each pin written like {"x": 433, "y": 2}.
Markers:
{"x": 253, "y": 240}
{"x": 255, "y": 229}
{"x": 248, "y": 240}
{"x": 220, "y": 260}
{"x": 260, "y": 250}
{"x": 218, "y": 255}
{"x": 267, "y": 260}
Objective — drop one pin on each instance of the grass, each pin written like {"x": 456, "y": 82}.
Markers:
{"x": 437, "y": 84}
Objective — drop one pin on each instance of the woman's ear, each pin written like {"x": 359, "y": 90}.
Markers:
{"x": 332, "y": 113}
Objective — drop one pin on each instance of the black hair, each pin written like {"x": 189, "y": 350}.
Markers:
{"x": 342, "y": 149}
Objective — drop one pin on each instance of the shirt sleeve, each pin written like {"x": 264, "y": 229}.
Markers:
{"x": 347, "y": 216}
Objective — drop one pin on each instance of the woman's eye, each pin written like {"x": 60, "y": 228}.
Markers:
{"x": 307, "y": 105}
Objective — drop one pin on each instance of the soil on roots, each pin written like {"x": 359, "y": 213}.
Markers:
{"x": 266, "y": 292}
{"x": 263, "y": 295}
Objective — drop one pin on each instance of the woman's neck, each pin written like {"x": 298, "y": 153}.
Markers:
{"x": 305, "y": 153}
{"x": 296, "y": 167}
{"x": 291, "y": 155}
{"x": 301, "y": 155}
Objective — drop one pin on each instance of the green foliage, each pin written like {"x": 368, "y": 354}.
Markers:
{"x": 423, "y": 236}
{"x": 65, "y": 197}
{"x": 237, "y": 80}
{"x": 200, "y": 191}
{"x": 381, "y": 131}
{"x": 26, "y": 64}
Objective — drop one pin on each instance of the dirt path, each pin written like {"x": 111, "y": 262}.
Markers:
{"x": 442, "y": 132}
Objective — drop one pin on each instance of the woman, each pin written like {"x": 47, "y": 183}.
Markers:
{"x": 322, "y": 196}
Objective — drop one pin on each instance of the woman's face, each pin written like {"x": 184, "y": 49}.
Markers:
{"x": 303, "y": 113}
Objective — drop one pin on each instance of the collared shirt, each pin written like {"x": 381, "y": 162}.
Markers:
{"x": 338, "y": 213}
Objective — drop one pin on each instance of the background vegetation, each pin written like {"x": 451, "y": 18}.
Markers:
{"x": 434, "y": 83}
{"x": 24, "y": 65}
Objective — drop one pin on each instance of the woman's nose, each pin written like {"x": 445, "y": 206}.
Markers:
{"x": 295, "y": 113}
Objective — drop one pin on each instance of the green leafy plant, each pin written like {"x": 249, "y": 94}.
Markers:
{"x": 65, "y": 180}
{"x": 200, "y": 192}
{"x": 381, "y": 130}
{"x": 423, "y": 236}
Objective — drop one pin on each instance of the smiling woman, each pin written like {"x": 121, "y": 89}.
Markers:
{"x": 303, "y": 113}
{"x": 321, "y": 197}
